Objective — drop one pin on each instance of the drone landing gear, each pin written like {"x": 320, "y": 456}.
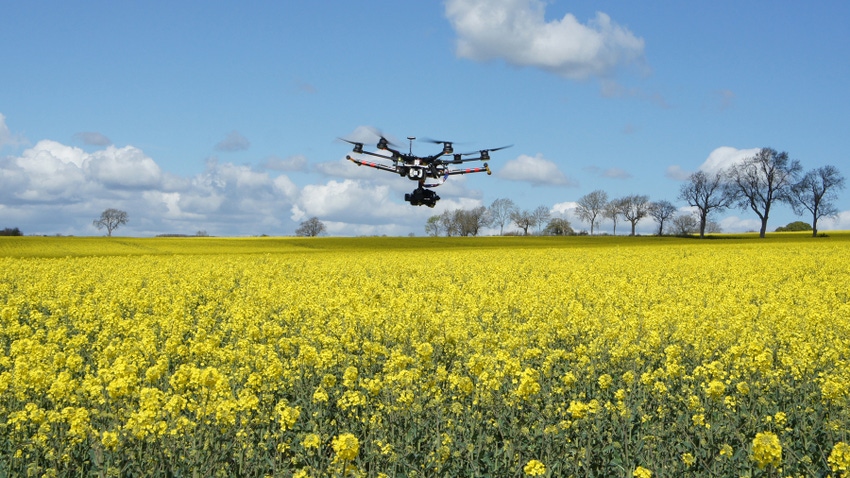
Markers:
{"x": 422, "y": 197}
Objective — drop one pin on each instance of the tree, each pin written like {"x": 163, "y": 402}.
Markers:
{"x": 795, "y": 227}
{"x": 634, "y": 207}
{"x": 706, "y": 192}
{"x": 310, "y": 228}
{"x": 592, "y": 205}
{"x": 432, "y": 226}
{"x": 559, "y": 227}
{"x": 469, "y": 222}
{"x": 500, "y": 213}
{"x": 613, "y": 210}
{"x": 524, "y": 219}
{"x": 815, "y": 192}
{"x": 9, "y": 231}
{"x": 111, "y": 219}
{"x": 685, "y": 224}
{"x": 541, "y": 216}
{"x": 661, "y": 211}
{"x": 761, "y": 180}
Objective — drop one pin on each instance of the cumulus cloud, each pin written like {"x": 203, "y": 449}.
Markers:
{"x": 233, "y": 142}
{"x": 536, "y": 170}
{"x": 517, "y": 32}
{"x": 92, "y": 138}
{"x": 725, "y": 156}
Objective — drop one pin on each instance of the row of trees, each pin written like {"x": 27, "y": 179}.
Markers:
{"x": 469, "y": 222}
{"x": 756, "y": 183}
{"x": 759, "y": 182}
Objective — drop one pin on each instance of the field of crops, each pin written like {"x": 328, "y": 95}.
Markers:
{"x": 376, "y": 357}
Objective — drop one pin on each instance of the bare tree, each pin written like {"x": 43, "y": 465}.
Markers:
{"x": 613, "y": 210}
{"x": 310, "y": 228}
{"x": 524, "y": 219}
{"x": 591, "y": 206}
{"x": 661, "y": 211}
{"x": 761, "y": 180}
{"x": 500, "y": 213}
{"x": 815, "y": 192}
{"x": 635, "y": 207}
{"x": 541, "y": 216}
{"x": 448, "y": 223}
{"x": 111, "y": 219}
{"x": 685, "y": 224}
{"x": 470, "y": 221}
{"x": 706, "y": 192}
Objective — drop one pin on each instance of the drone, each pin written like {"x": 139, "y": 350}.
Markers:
{"x": 422, "y": 168}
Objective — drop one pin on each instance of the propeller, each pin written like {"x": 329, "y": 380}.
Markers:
{"x": 485, "y": 153}
{"x": 358, "y": 147}
{"x": 447, "y": 145}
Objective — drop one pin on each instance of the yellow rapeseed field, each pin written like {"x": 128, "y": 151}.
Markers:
{"x": 635, "y": 357}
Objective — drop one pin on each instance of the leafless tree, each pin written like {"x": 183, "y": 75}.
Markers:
{"x": 310, "y": 228}
{"x": 635, "y": 207}
{"x": 815, "y": 192}
{"x": 661, "y": 211}
{"x": 111, "y": 219}
{"x": 758, "y": 182}
{"x": 500, "y": 212}
{"x": 591, "y": 206}
{"x": 685, "y": 224}
{"x": 613, "y": 210}
{"x": 524, "y": 219}
{"x": 541, "y": 216}
{"x": 706, "y": 192}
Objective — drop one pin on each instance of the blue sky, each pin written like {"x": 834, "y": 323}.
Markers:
{"x": 224, "y": 116}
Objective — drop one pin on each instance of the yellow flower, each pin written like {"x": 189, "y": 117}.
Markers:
{"x": 688, "y": 459}
{"x": 534, "y": 468}
{"x": 839, "y": 459}
{"x": 109, "y": 440}
{"x": 641, "y": 472}
{"x": 346, "y": 446}
{"x": 767, "y": 450}
{"x": 311, "y": 441}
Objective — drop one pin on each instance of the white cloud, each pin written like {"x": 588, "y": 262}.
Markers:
{"x": 724, "y": 157}
{"x": 840, "y": 222}
{"x": 123, "y": 167}
{"x": 517, "y": 31}
{"x": 7, "y": 138}
{"x": 346, "y": 201}
{"x": 536, "y": 170}
{"x": 737, "y": 224}
{"x": 233, "y": 142}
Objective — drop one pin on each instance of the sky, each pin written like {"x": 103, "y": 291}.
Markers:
{"x": 226, "y": 117}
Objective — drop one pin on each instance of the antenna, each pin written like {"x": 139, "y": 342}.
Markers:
{"x": 411, "y": 138}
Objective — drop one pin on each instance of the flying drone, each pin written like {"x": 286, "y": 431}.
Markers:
{"x": 422, "y": 168}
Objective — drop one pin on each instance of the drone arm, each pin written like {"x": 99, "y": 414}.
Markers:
{"x": 360, "y": 162}
{"x": 484, "y": 169}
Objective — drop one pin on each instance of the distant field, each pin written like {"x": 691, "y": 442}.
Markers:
{"x": 492, "y": 356}
{"x": 28, "y": 246}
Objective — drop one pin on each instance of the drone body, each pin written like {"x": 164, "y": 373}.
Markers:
{"x": 422, "y": 168}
